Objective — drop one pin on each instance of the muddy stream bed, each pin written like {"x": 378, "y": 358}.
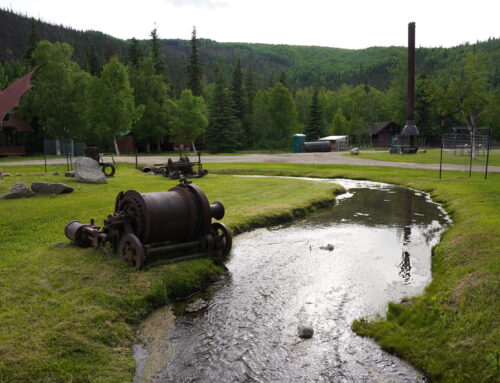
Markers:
{"x": 324, "y": 271}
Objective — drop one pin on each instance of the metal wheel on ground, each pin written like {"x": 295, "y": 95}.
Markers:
{"x": 222, "y": 239}
{"x": 132, "y": 251}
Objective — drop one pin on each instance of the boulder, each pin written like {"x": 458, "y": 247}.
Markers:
{"x": 328, "y": 247}
{"x": 305, "y": 332}
{"x": 6, "y": 174}
{"x": 88, "y": 171}
{"x": 197, "y": 305}
{"x": 355, "y": 151}
{"x": 70, "y": 173}
{"x": 19, "y": 190}
{"x": 55, "y": 173}
{"x": 50, "y": 188}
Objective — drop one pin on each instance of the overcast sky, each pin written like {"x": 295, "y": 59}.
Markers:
{"x": 334, "y": 23}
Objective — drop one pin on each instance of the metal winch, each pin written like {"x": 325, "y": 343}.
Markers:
{"x": 144, "y": 224}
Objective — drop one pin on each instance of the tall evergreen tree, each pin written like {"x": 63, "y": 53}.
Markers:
{"x": 222, "y": 131}
{"x": 155, "y": 51}
{"x": 194, "y": 70}
{"x": 92, "y": 63}
{"x": 249, "y": 92}
{"x": 315, "y": 127}
{"x": 238, "y": 99}
{"x": 283, "y": 117}
{"x": 284, "y": 81}
{"x": 33, "y": 39}
{"x": 134, "y": 53}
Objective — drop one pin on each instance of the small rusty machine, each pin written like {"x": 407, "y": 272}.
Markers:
{"x": 145, "y": 224}
{"x": 183, "y": 167}
{"x": 107, "y": 168}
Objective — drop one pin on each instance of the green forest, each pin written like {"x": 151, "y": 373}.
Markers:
{"x": 236, "y": 96}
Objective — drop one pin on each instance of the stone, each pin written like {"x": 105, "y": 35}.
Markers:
{"x": 355, "y": 151}
{"x": 7, "y": 174}
{"x": 70, "y": 173}
{"x": 88, "y": 171}
{"x": 19, "y": 175}
{"x": 55, "y": 173}
{"x": 328, "y": 247}
{"x": 197, "y": 305}
{"x": 50, "y": 188}
{"x": 305, "y": 332}
{"x": 19, "y": 190}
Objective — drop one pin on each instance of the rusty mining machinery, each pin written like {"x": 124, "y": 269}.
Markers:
{"x": 183, "y": 167}
{"x": 145, "y": 224}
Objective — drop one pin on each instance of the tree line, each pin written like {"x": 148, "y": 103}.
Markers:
{"x": 234, "y": 110}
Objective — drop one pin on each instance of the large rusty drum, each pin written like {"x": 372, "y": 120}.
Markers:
{"x": 179, "y": 214}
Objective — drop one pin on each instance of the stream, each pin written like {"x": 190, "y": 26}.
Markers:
{"x": 337, "y": 265}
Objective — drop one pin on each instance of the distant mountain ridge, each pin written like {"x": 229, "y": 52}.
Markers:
{"x": 303, "y": 65}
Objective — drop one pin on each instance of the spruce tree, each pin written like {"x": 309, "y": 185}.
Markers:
{"x": 134, "y": 53}
{"x": 155, "y": 51}
{"x": 33, "y": 39}
{"x": 92, "y": 63}
{"x": 284, "y": 81}
{"x": 315, "y": 127}
{"x": 194, "y": 71}
{"x": 222, "y": 131}
{"x": 237, "y": 99}
{"x": 249, "y": 92}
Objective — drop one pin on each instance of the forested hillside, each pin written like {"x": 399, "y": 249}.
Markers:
{"x": 238, "y": 95}
{"x": 303, "y": 65}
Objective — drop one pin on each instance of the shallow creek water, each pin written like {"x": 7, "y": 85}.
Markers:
{"x": 288, "y": 276}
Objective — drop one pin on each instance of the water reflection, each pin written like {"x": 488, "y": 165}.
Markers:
{"x": 284, "y": 277}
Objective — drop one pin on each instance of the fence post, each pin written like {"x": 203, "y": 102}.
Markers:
{"x": 488, "y": 153}
{"x": 441, "y": 159}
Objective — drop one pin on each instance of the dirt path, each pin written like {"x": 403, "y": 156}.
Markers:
{"x": 333, "y": 158}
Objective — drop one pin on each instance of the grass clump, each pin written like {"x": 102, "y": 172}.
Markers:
{"x": 70, "y": 314}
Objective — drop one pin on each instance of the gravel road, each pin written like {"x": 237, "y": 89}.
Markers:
{"x": 333, "y": 158}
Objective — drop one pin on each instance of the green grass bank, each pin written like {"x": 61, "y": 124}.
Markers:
{"x": 432, "y": 156}
{"x": 451, "y": 332}
{"x": 69, "y": 314}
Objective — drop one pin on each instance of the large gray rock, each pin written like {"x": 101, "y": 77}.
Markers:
{"x": 88, "y": 171}
{"x": 19, "y": 190}
{"x": 355, "y": 151}
{"x": 50, "y": 188}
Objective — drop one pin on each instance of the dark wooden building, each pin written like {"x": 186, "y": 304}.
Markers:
{"x": 12, "y": 134}
{"x": 381, "y": 133}
{"x": 126, "y": 142}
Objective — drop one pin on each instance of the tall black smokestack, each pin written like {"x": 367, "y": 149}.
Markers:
{"x": 410, "y": 128}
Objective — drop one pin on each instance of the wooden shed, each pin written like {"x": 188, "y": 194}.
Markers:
{"x": 126, "y": 142}
{"x": 381, "y": 133}
{"x": 12, "y": 132}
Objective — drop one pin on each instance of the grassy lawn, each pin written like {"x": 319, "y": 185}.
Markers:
{"x": 69, "y": 314}
{"x": 451, "y": 332}
{"x": 432, "y": 156}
